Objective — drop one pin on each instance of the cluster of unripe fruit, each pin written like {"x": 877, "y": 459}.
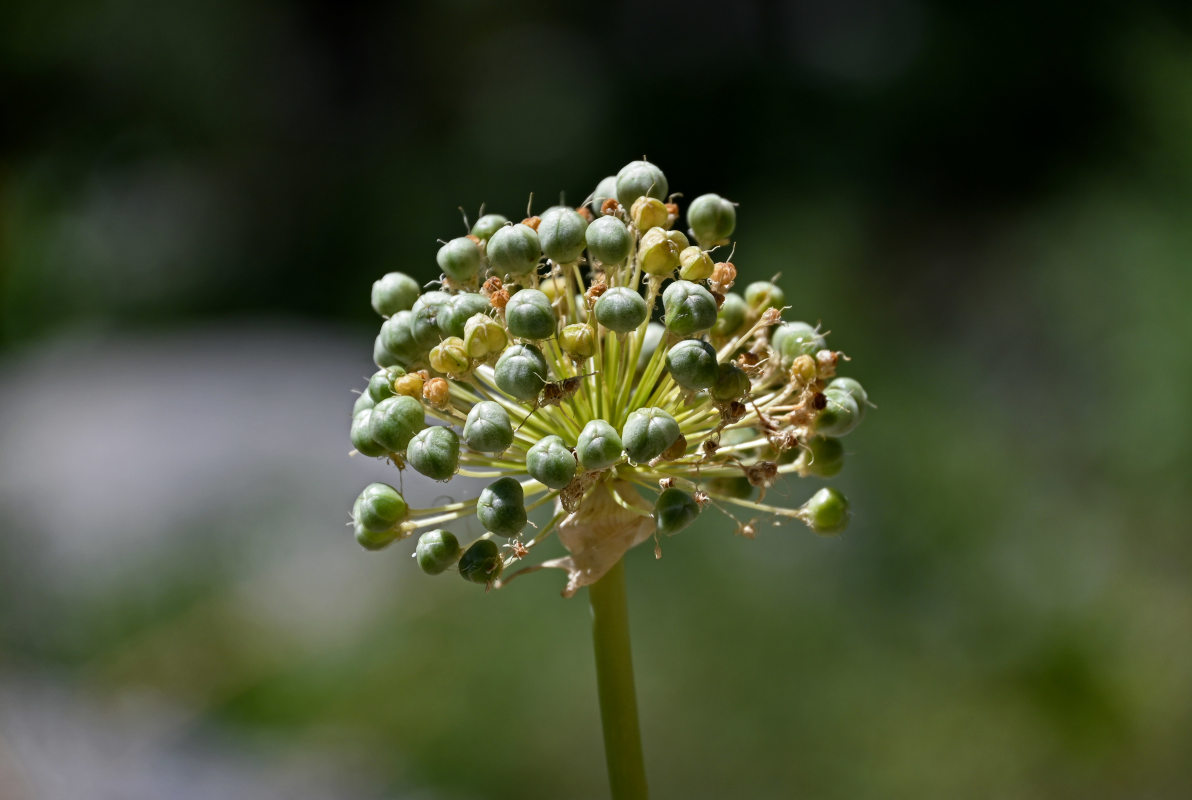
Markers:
{"x": 595, "y": 349}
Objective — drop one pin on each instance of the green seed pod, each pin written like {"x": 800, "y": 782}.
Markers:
{"x": 692, "y": 363}
{"x": 450, "y": 357}
{"x": 577, "y": 340}
{"x": 853, "y": 387}
{"x": 487, "y": 225}
{"x": 434, "y": 452}
{"x": 488, "y": 428}
{"x": 654, "y": 334}
{"x": 380, "y": 385}
{"x": 394, "y": 421}
{"x": 840, "y": 416}
{"x": 514, "y": 250}
{"x": 437, "y": 550}
{"x": 609, "y": 241}
{"x": 648, "y": 432}
{"x": 826, "y": 512}
{"x": 648, "y": 212}
{"x": 397, "y": 337}
{"x": 730, "y": 320}
{"x": 761, "y": 295}
{"x": 731, "y": 383}
{"x": 793, "y": 339}
{"x": 604, "y": 190}
{"x": 379, "y": 508}
{"x": 424, "y": 325}
{"x": 501, "y": 508}
{"x": 530, "y": 315}
{"x": 484, "y": 336}
{"x": 621, "y": 309}
{"x": 459, "y": 258}
{"x": 551, "y": 462}
{"x": 521, "y": 371}
{"x": 371, "y": 540}
{"x": 364, "y": 402}
{"x": 454, "y": 315}
{"x": 561, "y": 234}
{"x": 381, "y": 355}
{"x": 659, "y": 251}
{"x": 695, "y": 264}
{"x": 639, "y": 178}
{"x": 361, "y": 434}
{"x": 394, "y": 292}
{"x": 712, "y": 219}
{"x": 481, "y": 563}
{"x": 739, "y": 488}
{"x": 688, "y": 308}
{"x": 824, "y": 457}
{"x": 674, "y": 510}
{"x": 599, "y": 446}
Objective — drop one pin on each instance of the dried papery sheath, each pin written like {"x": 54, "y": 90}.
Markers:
{"x": 607, "y": 378}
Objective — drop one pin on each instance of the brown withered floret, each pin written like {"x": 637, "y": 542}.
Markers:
{"x": 724, "y": 274}
{"x": 666, "y": 483}
{"x": 594, "y": 292}
{"x": 532, "y": 222}
{"x": 609, "y": 206}
{"x": 491, "y": 285}
{"x": 436, "y": 392}
{"x": 584, "y": 212}
{"x": 499, "y": 299}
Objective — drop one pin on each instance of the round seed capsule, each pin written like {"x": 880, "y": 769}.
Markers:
{"x": 692, "y": 363}
{"x": 488, "y": 428}
{"x": 853, "y": 387}
{"x": 561, "y": 234}
{"x": 659, "y": 251}
{"x": 577, "y": 340}
{"x": 712, "y": 219}
{"x": 604, "y": 190}
{"x": 373, "y": 540}
{"x": 648, "y": 212}
{"x": 839, "y": 416}
{"x": 761, "y": 295}
{"x": 621, "y": 309}
{"x": 501, "y": 508}
{"x": 487, "y": 225}
{"x": 484, "y": 336}
{"x": 364, "y": 402}
{"x": 380, "y": 385}
{"x": 599, "y": 446}
{"x": 449, "y": 357}
{"x": 530, "y": 315}
{"x": 824, "y": 457}
{"x": 648, "y": 432}
{"x": 381, "y": 355}
{"x": 551, "y": 462}
{"x": 609, "y": 241}
{"x": 453, "y": 316}
{"x": 695, "y": 264}
{"x": 521, "y": 371}
{"x": 688, "y": 307}
{"x": 361, "y": 434}
{"x": 514, "y": 250}
{"x": 793, "y": 339}
{"x": 654, "y": 333}
{"x": 394, "y": 292}
{"x": 674, "y": 510}
{"x": 424, "y": 327}
{"x": 639, "y": 178}
{"x": 434, "y": 452}
{"x": 826, "y": 512}
{"x": 731, "y": 383}
{"x": 394, "y": 421}
{"x": 459, "y": 258}
{"x": 481, "y": 563}
{"x": 436, "y": 551}
{"x": 397, "y": 337}
{"x": 730, "y": 320}
{"x": 379, "y": 508}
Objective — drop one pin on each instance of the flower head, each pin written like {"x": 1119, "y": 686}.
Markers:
{"x": 594, "y": 361}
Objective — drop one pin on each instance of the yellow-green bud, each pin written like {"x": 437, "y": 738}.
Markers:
{"x": 483, "y": 336}
{"x": 577, "y": 340}
{"x": 695, "y": 264}
{"x": 659, "y": 252}
{"x": 648, "y": 212}
{"x": 449, "y": 356}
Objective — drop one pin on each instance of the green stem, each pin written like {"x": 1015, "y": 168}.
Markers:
{"x": 614, "y": 677}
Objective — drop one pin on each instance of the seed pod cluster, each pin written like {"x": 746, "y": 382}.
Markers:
{"x": 587, "y": 359}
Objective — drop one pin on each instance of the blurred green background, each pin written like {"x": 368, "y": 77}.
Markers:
{"x": 988, "y": 204}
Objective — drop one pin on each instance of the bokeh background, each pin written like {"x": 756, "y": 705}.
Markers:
{"x": 989, "y": 205}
